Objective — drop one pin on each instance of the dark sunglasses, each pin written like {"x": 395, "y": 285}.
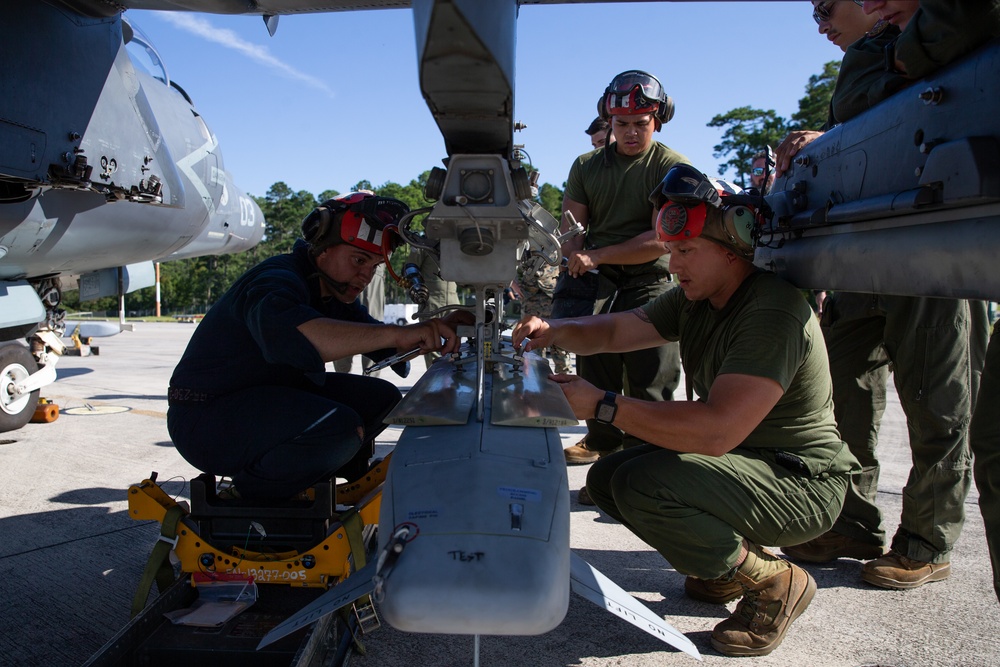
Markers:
{"x": 821, "y": 12}
{"x": 757, "y": 171}
{"x": 824, "y": 10}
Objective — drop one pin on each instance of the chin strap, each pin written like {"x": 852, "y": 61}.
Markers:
{"x": 336, "y": 286}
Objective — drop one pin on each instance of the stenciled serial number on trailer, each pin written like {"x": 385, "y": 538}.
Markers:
{"x": 280, "y": 575}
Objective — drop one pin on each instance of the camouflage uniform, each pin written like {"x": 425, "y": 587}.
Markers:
{"x": 440, "y": 292}
{"x": 536, "y": 289}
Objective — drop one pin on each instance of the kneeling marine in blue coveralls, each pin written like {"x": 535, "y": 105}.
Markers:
{"x": 251, "y": 398}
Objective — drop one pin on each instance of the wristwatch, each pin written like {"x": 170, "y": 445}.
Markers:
{"x": 606, "y": 408}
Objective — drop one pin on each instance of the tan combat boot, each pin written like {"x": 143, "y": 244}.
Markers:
{"x": 713, "y": 591}
{"x": 830, "y": 546}
{"x": 896, "y": 571}
{"x": 578, "y": 454}
{"x": 776, "y": 592}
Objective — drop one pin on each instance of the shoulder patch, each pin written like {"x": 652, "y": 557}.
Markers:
{"x": 878, "y": 28}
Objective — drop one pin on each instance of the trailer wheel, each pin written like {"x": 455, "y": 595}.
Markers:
{"x": 16, "y": 363}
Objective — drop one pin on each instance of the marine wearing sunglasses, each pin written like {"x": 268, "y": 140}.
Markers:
{"x": 824, "y": 10}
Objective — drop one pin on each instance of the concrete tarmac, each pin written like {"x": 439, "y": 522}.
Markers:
{"x": 70, "y": 557}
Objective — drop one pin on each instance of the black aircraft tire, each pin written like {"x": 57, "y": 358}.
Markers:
{"x": 16, "y": 363}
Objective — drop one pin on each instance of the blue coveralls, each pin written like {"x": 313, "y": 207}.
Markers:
{"x": 251, "y": 399}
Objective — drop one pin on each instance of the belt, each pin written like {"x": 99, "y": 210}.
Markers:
{"x": 182, "y": 395}
{"x": 623, "y": 280}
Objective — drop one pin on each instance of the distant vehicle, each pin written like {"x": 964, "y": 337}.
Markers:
{"x": 399, "y": 313}
{"x": 105, "y": 168}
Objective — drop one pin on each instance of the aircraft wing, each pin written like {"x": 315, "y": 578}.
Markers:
{"x": 896, "y": 201}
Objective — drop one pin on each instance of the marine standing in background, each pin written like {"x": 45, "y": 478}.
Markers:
{"x": 608, "y": 193}
{"x": 574, "y": 296}
{"x": 936, "y": 346}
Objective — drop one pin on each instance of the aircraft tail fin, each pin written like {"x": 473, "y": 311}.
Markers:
{"x": 589, "y": 583}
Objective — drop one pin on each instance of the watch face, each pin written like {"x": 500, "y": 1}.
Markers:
{"x": 606, "y": 412}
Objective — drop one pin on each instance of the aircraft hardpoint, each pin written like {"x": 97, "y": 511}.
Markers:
{"x": 465, "y": 528}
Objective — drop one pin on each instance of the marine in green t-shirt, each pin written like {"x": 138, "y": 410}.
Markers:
{"x": 607, "y": 192}
{"x": 757, "y": 459}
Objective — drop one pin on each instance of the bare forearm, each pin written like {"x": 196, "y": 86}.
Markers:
{"x": 680, "y": 426}
{"x": 581, "y": 216}
{"x": 581, "y": 335}
{"x": 595, "y": 334}
{"x": 574, "y": 244}
{"x": 334, "y": 339}
{"x": 736, "y": 405}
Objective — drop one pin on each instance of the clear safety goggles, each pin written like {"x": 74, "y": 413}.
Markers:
{"x": 648, "y": 85}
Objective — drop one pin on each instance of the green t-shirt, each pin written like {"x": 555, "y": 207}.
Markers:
{"x": 765, "y": 330}
{"x": 617, "y": 195}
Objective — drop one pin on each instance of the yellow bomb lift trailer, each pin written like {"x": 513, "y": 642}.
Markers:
{"x": 294, "y": 551}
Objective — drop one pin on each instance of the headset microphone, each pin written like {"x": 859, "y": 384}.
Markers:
{"x": 336, "y": 285}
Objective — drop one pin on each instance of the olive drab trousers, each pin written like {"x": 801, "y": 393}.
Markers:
{"x": 936, "y": 348}
{"x": 696, "y": 509}
{"x": 984, "y": 438}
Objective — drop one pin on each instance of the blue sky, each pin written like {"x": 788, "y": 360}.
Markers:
{"x": 334, "y": 98}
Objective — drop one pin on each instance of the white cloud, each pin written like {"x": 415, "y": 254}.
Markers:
{"x": 200, "y": 27}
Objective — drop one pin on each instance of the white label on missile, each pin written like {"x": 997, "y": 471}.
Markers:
{"x": 517, "y": 493}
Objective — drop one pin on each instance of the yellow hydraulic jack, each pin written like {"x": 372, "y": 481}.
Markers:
{"x": 321, "y": 560}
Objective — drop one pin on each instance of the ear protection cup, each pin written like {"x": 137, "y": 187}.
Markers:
{"x": 739, "y": 224}
{"x": 318, "y": 224}
{"x": 666, "y": 110}
{"x": 676, "y": 222}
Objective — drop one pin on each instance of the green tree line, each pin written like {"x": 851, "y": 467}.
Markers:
{"x": 748, "y": 130}
{"x": 191, "y": 286}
